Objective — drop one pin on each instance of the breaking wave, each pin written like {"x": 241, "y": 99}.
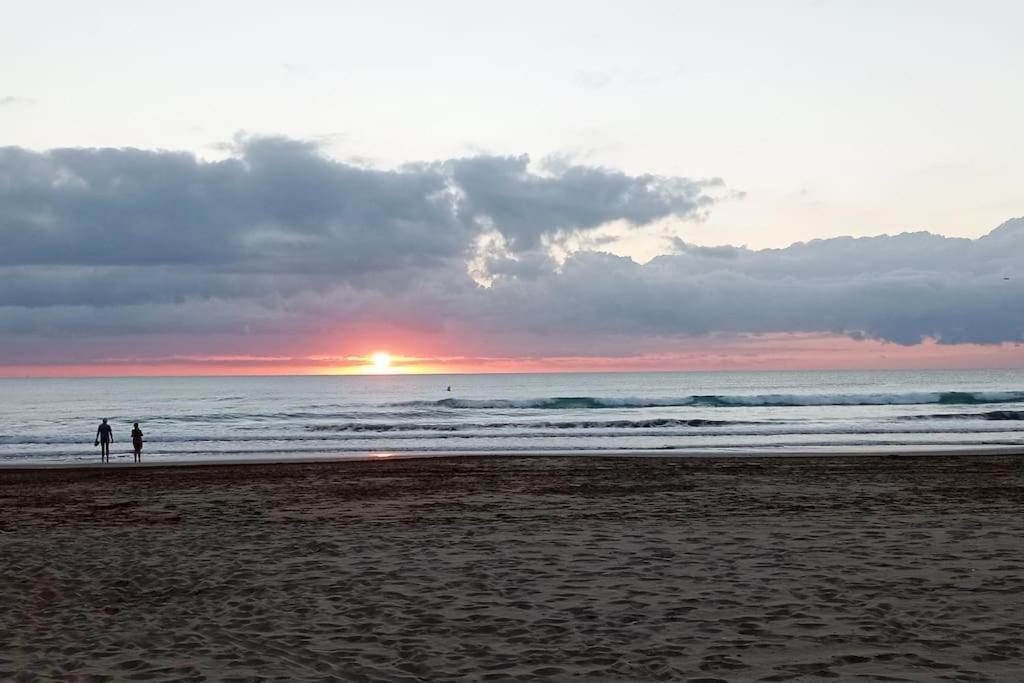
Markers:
{"x": 996, "y": 415}
{"x": 653, "y": 423}
{"x": 727, "y": 401}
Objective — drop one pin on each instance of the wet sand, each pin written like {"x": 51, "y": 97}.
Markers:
{"x": 503, "y": 568}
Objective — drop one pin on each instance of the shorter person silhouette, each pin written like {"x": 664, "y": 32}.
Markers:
{"x": 104, "y": 435}
{"x": 137, "y": 443}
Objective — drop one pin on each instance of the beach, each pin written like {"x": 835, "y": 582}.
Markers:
{"x": 506, "y": 568}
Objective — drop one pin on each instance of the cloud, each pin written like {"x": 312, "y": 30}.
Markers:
{"x": 903, "y": 289}
{"x": 294, "y": 69}
{"x": 593, "y": 79}
{"x": 278, "y": 244}
{"x": 724, "y": 252}
{"x": 278, "y": 206}
{"x": 525, "y": 206}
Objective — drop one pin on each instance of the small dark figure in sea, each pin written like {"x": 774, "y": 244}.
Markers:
{"x": 137, "y": 443}
{"x": 104, "y": 435}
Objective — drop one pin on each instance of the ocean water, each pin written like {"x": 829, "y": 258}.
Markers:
{"x": 54, "y": 420}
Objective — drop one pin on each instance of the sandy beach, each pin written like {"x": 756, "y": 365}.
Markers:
{"x": 518, "y": 568}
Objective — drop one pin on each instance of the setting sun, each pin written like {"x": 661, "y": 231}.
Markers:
{"x": 381, "y": 361}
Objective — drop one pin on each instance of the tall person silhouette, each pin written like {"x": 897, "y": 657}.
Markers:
{"x": 104, "y": 435}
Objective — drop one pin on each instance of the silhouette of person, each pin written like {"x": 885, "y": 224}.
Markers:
{"x": 104, "y": 435}
{"x": 137, "y": 443}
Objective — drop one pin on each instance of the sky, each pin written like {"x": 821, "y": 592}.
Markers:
{"x": 497, "y": 186}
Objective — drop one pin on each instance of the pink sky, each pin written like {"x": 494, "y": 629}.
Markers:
{"x": 763, "y": 352}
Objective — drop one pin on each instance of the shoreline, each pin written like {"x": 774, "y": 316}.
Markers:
{"x": 886, "y": 452}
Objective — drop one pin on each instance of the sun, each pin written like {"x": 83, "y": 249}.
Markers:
{"x": 381, "y": 361}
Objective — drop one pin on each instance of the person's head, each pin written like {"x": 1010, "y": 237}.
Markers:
{"x": 136, "y": 425}
{"x": 104, "y": 420}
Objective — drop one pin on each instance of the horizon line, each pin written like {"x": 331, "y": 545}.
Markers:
{"x": 519, "y": 372}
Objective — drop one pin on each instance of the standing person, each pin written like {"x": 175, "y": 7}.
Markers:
{"x": 104, "y": 435}
{"x": 137, "y": 442}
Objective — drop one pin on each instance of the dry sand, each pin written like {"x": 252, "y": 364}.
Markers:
{"x": 518, "y": 568}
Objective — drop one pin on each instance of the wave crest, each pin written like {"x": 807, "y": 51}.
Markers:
{"x": 727, "y": 401}
{"x": 995, "y": 415}
{"x": 653, "y": 423}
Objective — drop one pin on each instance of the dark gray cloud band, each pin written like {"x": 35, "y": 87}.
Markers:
{"x": 280, "y": 240}
{"x": 279, "y": 206}
{"x": 902, "y": 289}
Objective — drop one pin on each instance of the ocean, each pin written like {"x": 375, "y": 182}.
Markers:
{"x": 55, "y": 420}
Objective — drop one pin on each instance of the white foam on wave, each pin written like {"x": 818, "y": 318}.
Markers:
{"x": 726, "y": 401}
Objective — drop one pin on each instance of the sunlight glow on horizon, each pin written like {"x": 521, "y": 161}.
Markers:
{"x": 386, "y": 363}
{"x": 381, "y": 361}
{"x": 764, "y": 352}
